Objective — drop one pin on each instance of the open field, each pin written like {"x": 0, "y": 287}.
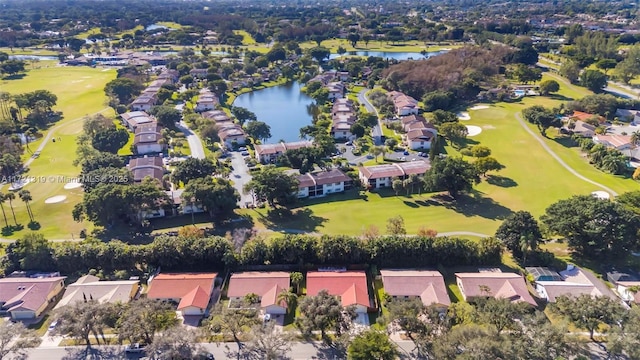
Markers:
{"x": 247, "y": 39}
{"x": 80, "y": 93}
{"x": 532, "y": 180}
{"x": 28, "y": 51}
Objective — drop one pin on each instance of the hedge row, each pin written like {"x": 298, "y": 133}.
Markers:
{"x": 218, "y": 253}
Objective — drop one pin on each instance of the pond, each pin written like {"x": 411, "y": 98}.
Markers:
{"x": 400, "y": 56}
{"x": 34, "y": 57}
{"x": 284, "y": 108}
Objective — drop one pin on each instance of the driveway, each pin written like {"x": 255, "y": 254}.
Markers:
{"x": 376, "y": 132}
{"x": 240, "y": 176}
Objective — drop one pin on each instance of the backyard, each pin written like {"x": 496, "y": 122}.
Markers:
{"x": 80, "y": 92}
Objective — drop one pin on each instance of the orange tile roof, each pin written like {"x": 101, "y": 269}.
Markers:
{"x": 198, "y": 297}
{"x": 350, "y": 286}
{"x": 179, "y": 285}
{"x": 585, "y": 116}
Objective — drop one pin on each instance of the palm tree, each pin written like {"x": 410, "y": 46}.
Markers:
{"x": 288, "y": 297}
{"x": 11, "y": 196}
{"x": 25, "y": 196}
{"x": 296, "y": 279}
{"x": 528, "y": 243}
{"x": 3, "y": 197}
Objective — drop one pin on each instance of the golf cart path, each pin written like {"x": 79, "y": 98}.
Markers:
{"x": 559, "y": 160}
{"x": 51, "y": 131}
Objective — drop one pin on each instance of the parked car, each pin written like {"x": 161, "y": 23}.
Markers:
{"x": 405, "y": 152}
{"x": 244, "y": 153}
{"x": 242, "y": 149}
{"x": 53, "y": 325}
{"x": 349, "y": 143}
{"x": 136, "y": 348}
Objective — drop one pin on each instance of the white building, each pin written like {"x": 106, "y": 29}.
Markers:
{"x": 323, "y": 183}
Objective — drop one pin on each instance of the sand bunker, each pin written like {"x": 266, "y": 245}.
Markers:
{"x": 19, "y": 184}
{"x": 603, "y": 195}
{"x": 479, "y": 107}
{"x": 55, "y": 199}
{"x": 72, "y": 185}
{"x": 463, "y": 116}
{"x": 473, "y": 130}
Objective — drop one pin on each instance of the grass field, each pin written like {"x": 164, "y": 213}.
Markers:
{"x": 247, "y": 39}
{"x": 532, "y": 180}
{"x": 80, "y": 93}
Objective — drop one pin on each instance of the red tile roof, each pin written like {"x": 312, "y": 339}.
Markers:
{"x": 198, "y": 297}
{"x": 182, "y": 285}
{"x": 350, "y": 286}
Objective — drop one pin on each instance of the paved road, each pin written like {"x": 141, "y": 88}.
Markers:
{"x": 197, "y": 150}
{"x": 240, "y": 176}
{"x": 299, "y": 351}
{"x": 376, "y": 132}
{"x": 559, "y": 160}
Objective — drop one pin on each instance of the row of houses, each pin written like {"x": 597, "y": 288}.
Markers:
{"x": 229, "y": 132}
{"x": 269, "y": 153}
{"x": 149, "y": 97}
{"x": 343, "y": 116}
{"x": 206, "y": 100}
{"x": 25, "y": 298}
{"x": 419, "y": 133}
{"x": 404, "y": 104}
{"x": 382, "y": 176}
{"x": 582, "y": 124}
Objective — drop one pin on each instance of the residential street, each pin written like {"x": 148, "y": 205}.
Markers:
{"x": 240, "y": 176}
{"x": 376, "y": 132}
{"x": 197, "y": 150}
{"x": 299, "y": 351}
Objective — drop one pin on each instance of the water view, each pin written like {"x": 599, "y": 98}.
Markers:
{"x": 400, "y": 56}
{"x": 285, "y": 108}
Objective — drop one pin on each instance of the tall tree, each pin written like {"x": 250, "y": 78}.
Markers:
{"x": 514, "y": 227}
{"x": 258, "y": 130}
{"x": 594, "y": 228}
{"x": 267, "y": 343}
{"x": 588, "y": 312}
{"x": 324, "y": 312}
{"x": 191, "y": 169}
{"x": 274, "y": 186}
{"x": 142, "y": 319}
{"x": 123, "y": 89}
{"x": 15, "y": 339}
{"x": 451, "y": 174}
{"x": 3, "y": 197}
{"x": 176, "y": 342}
{"x": 217, "y": 196}
{"x": 372, "y": 344}
{"x": 234, "y": 322}
{"x": 593, "y": 80}
{"x": 11, "y": 196}
{"x": 296, "y": 280}
{"x": 80, "y": 320}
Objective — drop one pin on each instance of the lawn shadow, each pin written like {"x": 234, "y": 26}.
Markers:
{"x": 501, "y": 181}
{"x": 301, "y": 219}
{"x": 14, "y": 77}
{"x": 565, "y": 141}
{"x": 411, "y": 204}
{"x": 559, "y": 97}
{"x": 474, "y": 205}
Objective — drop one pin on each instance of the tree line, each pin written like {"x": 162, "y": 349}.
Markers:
{"x": 194, "y": 253}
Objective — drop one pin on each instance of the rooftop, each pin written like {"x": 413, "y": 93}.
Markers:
{"x": 90, "y": 287}
{"x": 427, "y": 284}
{"x": 350, "y": 286}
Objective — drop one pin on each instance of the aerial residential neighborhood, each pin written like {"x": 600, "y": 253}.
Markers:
{"x": 319, "y": 180}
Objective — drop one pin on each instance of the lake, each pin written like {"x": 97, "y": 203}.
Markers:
{"x": 400, "y": 56}
{"x": 284, "y": 108}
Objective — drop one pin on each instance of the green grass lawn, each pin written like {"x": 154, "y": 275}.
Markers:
{"x": 532, "y": 180}
{"x": 247, "y": 39}
{"x": 80, "y": 93}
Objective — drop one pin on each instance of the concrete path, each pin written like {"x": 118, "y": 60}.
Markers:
{"x": 376, "y": 132}
{"x": 559, "y": 160}
{"x": 463, "y": 233}
{"x": 240, "y": 176}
